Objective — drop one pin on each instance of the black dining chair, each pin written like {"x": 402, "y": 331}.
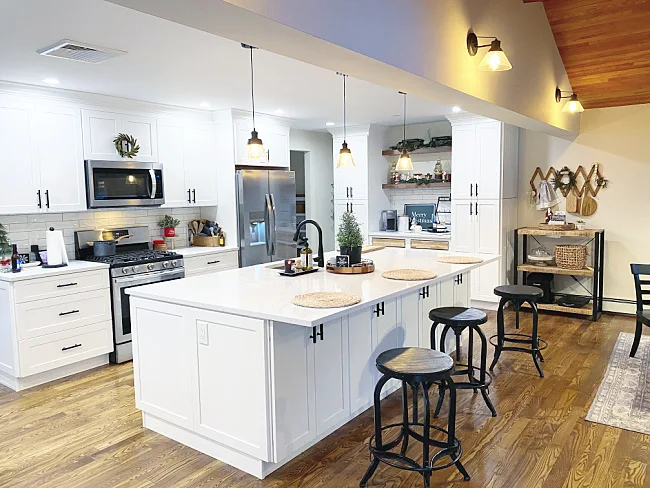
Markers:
{"x": 642, "y": 316}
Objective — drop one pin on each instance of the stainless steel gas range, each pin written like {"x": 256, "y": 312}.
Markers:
{"x": 134, "y": 264}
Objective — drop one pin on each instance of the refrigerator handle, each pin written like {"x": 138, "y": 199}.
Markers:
{"x": 267, "y": 224}
{"x": 274, "y": 237}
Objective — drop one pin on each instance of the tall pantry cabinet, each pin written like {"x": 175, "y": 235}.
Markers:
{"x": 484, "y": 197}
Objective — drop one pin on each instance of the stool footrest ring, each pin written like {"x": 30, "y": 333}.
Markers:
{"x": 527, "y": 340}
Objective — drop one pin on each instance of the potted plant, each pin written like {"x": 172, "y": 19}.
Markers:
{"x": 5, "y": 249}
{"x": 350, "y": 238}
{"x": 581, "y": 224}
{"x": 169, "y": 224}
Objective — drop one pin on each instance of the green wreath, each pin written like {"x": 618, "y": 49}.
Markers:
{"x": 126, "y": 145}
{"x": 559, "y": 184}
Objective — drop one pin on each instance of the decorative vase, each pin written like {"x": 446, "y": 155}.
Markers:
{"x": 581, "y": 225}
{"x": 353, "y": 252}
{"x": 170, "y": 232}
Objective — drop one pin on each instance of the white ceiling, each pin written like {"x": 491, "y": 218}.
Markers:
{"x": 175, "y": 65}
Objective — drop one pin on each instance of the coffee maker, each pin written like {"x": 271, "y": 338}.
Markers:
{"x": 389, "y": 220}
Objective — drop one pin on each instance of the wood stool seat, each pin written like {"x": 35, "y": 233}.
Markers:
{"x": 458, "y": 316}
{"x": 415, "y": 364}
{"x": 520, "y": 292}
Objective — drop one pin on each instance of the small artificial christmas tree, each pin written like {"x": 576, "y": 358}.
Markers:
{"x": 5, "y": 247}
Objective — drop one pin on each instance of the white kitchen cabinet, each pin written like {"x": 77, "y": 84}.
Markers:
{"x": 332, "y": 390}
{"x": 200, "y": 156}
{"x": 19, "y": 161}
{"x": 487, "y": 177}
{"x": 295, "y": 390}
{"x": 276, "y": 143}
{"x": 60, "y": 157}
{"x": 352, "y": 182}
{"x": 386, "y": 335}
{"x": 463, "y": 226}
{"x": 410, "y": 317}
{"x": 100, "y": 128}
{"x": 188, "y": 153}
{"x": 209, "y": 262}
{"x": 362, "y": 369}
{"x": 53, "y": 326}
{"x": 241, "y": 422}
{"x": 275, "y": 138}
{"x": 463, "y": 162}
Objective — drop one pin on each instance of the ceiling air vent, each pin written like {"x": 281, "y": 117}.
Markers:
{"x": 77, "y": 51}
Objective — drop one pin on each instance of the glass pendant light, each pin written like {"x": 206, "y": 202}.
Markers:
{"x": 495, "y": 59}
{"x": 255, "y": 146}
{"x": 404, "y": 162}
{"x": 345, "y": 159}
{"x": 573, "y": 106}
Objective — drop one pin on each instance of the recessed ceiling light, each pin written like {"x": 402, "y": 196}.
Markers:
{"x": 51, "y": 81}
{"x": 330, "y": 124}
{"x": 204, "y": 105}
{"x": 456, "y": 109}
{"x": 279, "y": 112}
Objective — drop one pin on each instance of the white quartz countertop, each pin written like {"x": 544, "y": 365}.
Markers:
{"x": 260, "y": 292}
{"x": 189, "y": 252}
{"x": 425, "y": 236}
{"x": 39, "y": 272}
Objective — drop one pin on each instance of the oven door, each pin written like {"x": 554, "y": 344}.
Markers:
{"x": 123, "y": 184}
{"x": 121, "y": 302}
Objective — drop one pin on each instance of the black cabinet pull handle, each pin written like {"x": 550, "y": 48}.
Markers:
{"x": 189, "y": 196}
{"x": 268, "y": 155}
{"x": 351, "y": 207}
{"x": 194, "y": 195}
{"x": 321, "y": 332}
{"x": 214, "y": 262}
{"x": 476, "y": 192}
{"x": 40, "y": 203}
{"x": 476, "y": 203}
{"x": 377, "y": 310}
{"x": 47, "y": 198}
{"x": 351, "y": 192}
{"x": 70, "y": 347}
{"x": 313, "y": 335}
{"x": 470, "y": 209}
{"x": 65, "y": 285}
{"x": 68, "y": 313}
{"x": 347, "y": 192}
{"x": 471, "y": 190}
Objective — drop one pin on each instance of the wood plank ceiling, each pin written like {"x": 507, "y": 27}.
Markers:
{"x": 605, "y": 47}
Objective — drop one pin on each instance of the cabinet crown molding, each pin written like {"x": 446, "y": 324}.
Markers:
{"x": 237, "y": 114}
{"x": 352, "y": 131}
{"x": 465, "y": 119}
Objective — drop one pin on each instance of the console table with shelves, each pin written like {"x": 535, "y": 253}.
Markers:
{"x": 596, "y": 238}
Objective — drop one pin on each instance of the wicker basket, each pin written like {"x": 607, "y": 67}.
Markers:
{"x": 204, "y": 241}
{"x": 571, "y": 256}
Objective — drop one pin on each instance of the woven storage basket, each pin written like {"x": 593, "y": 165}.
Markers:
{"x": 204, "y": 241}
{"x": 571, "y": 256}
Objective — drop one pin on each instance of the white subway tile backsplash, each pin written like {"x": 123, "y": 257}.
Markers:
{"x": 25, "y": 230}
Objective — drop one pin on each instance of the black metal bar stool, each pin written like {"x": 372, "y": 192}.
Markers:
{"x": 418, "y": 368}
{"x": 458, "y": 319}
{"x": 518, "y": 295}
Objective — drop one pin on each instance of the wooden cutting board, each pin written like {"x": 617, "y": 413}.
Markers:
{"x": 589, "y": 205}
{"x": 572, "y": 203}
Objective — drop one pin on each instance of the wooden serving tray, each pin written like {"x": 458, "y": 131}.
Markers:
{"x": 557, "y": 227}
{"x": 369, "y": 268}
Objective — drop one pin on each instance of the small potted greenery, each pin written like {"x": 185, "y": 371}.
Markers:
{"x": 169, "y": 224}
{"x": 5, "y": 249}
{"x": 581, "y": 224}
{"x": 350, "y": 238}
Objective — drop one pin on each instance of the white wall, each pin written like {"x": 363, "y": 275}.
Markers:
{"x": 619, "y": 139}
{"x": 319, "y": 178}
{"x": 417, "y": 46}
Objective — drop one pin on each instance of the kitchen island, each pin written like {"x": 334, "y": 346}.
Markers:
{"x": 226, "y": 364}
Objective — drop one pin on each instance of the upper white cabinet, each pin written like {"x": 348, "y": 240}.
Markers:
{"x": 44, "y": 143}
{"x": 274, "y": 134}
{"x": 19, "y": 161}
{"x": 188, "y": 153}
{"x": 100, "y": 128}
{"x": 60, "y": 157}
{"x": 352, "y": 183}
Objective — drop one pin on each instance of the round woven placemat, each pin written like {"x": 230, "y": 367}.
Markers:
{"x": 459, "y": 260}
{"x": 325, "y": 299}
{"x": 409, "y": 274}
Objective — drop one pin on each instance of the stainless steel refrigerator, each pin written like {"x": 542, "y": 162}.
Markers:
{"x": 266, "y": 215}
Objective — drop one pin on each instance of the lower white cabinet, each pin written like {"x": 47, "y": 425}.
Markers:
{"x": 360, "y": 210}
{"x": 49, "y": 324}
{"x": 209, "y": 263}
{"x": 362, "y": 369}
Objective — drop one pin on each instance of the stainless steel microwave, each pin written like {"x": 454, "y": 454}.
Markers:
{"x": 124, "y": 184}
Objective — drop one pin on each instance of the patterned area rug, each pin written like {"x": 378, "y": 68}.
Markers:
{"x": 623, "y": 398}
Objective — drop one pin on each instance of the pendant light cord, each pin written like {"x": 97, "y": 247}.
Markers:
{"x": 345, "y": 134}
{"x": 253, "y": 87}
{"x": 403, "y": 93}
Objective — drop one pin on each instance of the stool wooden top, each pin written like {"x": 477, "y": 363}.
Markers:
{"x": 415, "y": 364}
{"x": 522, "y": 292}
{"x": 458, "y": 316}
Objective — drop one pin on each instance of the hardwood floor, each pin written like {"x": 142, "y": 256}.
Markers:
{"x": 85, "y": 431}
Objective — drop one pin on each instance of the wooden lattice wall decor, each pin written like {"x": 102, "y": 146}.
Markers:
{"x": 583, "y": 180}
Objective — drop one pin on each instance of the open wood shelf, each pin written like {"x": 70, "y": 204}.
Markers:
{"x": 422, "y": 150}
{"x": 586, "y": 310}
{"x": 531, "y": 268}
{"x": 534, "y": 231}
{"x": 442, "y": 184}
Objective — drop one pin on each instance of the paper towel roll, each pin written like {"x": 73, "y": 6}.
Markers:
{"x": 56, "y": 254}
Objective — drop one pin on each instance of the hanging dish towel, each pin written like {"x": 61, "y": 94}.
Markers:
{"x": 546, "y": 196}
